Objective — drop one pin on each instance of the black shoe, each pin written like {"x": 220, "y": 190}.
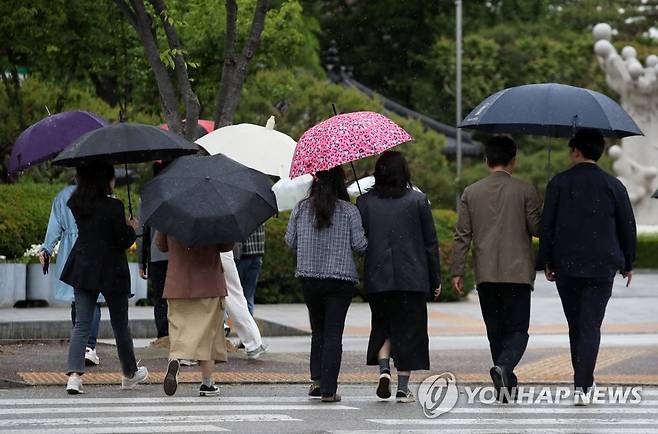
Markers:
{"x": 314, "y": 391}
{"x": 171, "y": 377}
{"x": 331, "y": 398}
{"x": 208, "y": 390}
{"x": 501, "y": 383}
{"x": 227, "y": 331}
{"x": 384, "y": 386}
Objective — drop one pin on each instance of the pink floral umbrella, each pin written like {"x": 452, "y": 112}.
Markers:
{"x": 344, "y": 138}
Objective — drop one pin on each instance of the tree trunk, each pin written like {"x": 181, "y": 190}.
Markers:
{"x": 143, "y": 25}
{"x": 180, "y": 68}
{"x": 235, "y": 70}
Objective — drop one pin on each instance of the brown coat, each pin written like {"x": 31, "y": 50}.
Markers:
{"x": 193, "y": 272}
{"x": 500, "y": 215}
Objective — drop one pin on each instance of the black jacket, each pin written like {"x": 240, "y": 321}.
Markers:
{"x": 587, "y": 226}
{"x": 98, "y": 258}
{"x": 403, "y": 250}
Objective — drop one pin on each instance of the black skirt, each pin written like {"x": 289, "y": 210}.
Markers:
{"x": 400, "y": 316}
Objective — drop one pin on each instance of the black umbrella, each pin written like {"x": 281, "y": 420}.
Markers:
{"x": 125, "y": 143}
{"x": 655, "y": 194}
{"x": 550, "y": 109}
{"x": 204, "y": 200}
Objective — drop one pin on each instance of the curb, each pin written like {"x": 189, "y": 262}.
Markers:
{"x": 6, "y": 383}
{"x": 140, "y": 328}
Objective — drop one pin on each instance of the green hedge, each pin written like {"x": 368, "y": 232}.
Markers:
{"x": 647, "y": 251}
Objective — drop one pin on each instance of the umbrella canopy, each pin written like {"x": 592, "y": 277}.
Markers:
{"x": 126, "y": 143}
{"x": 344, "y": 138}
{"x": 261, "y": 148}
{"x": 289, "y": 192}
{"x": 205, "y": 200}
{"x": 46, "y": 138}
{"x": 550, "y": 109}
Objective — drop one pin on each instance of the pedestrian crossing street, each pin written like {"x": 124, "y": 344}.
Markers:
{"x": 355, "y": 414}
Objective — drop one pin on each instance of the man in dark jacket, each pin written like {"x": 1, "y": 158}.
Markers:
{"x": 587, "y": 234}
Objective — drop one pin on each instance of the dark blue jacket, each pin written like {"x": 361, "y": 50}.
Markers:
{"x": 587, "y": 226}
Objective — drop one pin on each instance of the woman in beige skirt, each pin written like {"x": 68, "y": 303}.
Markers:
{"x": 195, "y": 289}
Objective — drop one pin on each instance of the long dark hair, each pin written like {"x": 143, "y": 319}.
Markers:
{"x": 327, "y": 188}
{"x": 392, "y": 176}
{"x": 93, "y": 184}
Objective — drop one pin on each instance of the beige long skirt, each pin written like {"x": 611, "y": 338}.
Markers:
{"x": 196, "y": 329}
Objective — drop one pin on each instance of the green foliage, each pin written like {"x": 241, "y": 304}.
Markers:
{"x": 647, "y": 251}
{"x": 24, "y": 215}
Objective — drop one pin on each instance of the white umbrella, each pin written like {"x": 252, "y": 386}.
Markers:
{"x": 366, "y": 184}
{"x": 289, "y": 192}
{"x": 261, "y": 148}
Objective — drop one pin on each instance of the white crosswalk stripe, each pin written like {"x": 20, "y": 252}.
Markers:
{"x": 138, "y": 415}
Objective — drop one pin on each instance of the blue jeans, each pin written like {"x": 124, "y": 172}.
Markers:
{"x": 95, "y": 324}
{"x": 85, "y": 306}
{"x": 249, "y": 269}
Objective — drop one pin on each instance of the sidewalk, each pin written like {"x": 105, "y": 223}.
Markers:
{"x": 629, "y": 347}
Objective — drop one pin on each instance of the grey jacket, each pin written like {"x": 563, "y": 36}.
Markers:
{"x": 326, "y": 253}
{"x": 403, "y": 249}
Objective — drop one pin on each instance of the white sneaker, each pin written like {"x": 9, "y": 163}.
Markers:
{"x": 255, "y": 354}
{"x": 141, "y": 375}
{"x": 74, "y": 385}
{"x": 91, "y": 358}
{"x": 186, "y": 362}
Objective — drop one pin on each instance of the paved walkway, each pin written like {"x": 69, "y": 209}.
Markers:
{"x": 629, "y": 349}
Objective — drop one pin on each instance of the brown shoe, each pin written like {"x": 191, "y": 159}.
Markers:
{"x": 314, "y": 391}
{"x": 331, "y": 398}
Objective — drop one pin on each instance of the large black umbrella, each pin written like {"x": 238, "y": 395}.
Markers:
{"x": 204, "y": 200}
{"x": 550, "y": 109}
{"x": 125, "y": 143}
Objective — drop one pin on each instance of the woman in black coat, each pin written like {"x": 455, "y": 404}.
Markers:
{"x": 401, "y": 269}
{"x": 98, "y": 264}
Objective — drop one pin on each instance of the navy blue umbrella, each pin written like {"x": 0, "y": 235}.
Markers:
{"x": 550, "y": 109}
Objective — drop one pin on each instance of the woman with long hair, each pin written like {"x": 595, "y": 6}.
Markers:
{"x": 401, "y": 268}
{"x": 325, "y": 229}
{"x": 98, "y": 265}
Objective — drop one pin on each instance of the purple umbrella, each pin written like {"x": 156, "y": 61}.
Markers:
{"x": 50, "y": 136}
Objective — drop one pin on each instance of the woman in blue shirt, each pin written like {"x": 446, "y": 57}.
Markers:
{"x": 62, "y": 229}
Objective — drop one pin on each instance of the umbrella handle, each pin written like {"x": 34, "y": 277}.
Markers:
{"x": 356, "y": 178}
{"x": 130, "y": 204}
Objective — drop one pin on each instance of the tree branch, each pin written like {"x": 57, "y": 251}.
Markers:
{"x": 230, "y": 89}
{"x": 180, "y": 68}
{"x": 228, "y": 70}
{"x": 143, "y": 25}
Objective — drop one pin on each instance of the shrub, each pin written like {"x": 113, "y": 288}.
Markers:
{"x": 647, "y": 251}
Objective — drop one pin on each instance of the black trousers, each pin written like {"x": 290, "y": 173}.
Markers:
{"x": 584, "y": 301}
{"x": 157, "y": 272}
{"x": 327, "y": 301}
{"x": 506, "y": 312}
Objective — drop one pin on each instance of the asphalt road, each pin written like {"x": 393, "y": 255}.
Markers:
{"x": 285, "y": 409}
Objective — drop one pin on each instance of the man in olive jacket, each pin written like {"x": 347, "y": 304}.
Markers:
{"x": 499, "y": 215}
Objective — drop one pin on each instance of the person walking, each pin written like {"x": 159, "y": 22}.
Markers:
{"x": 249, "y": 262}
{"x": 153, "y": 266}
{"x": 195, "y": 291}
{"x": 499, "y": 215}
{"x": 237, "y": 308}
{"x": 401, "y": 269}
{"x": 97, "y": 265}
{"x": 587, "y": 235}
{"x": 324, "y": 229}
{"x": 62, "y": 229}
